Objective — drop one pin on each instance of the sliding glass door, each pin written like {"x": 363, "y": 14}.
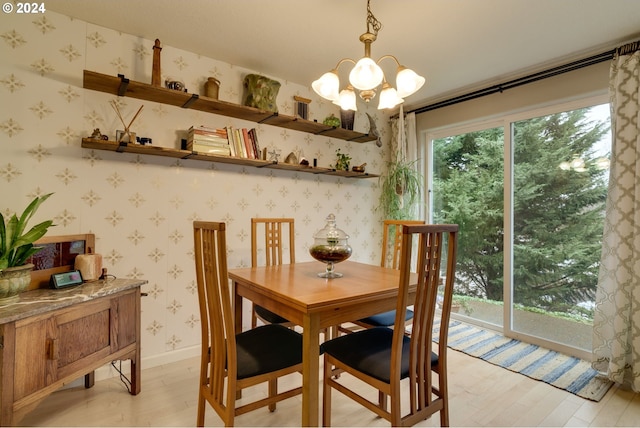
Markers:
{"x": 528, "y": 256}
{"x": 466, "y": 188}
{"x": 560, "y": 172}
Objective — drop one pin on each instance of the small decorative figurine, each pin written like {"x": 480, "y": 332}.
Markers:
{"x": 373, "y": 130}
{"x": 176, "y": 85}
{"x": 97, "y": 135}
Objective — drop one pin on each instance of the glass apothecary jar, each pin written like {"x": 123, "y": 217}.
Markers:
{"x": 330, "y": 246}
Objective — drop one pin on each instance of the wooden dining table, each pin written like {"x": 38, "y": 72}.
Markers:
{"x": 296, "y": 292}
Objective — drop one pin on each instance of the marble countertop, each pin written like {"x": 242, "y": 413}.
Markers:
{"x": 39, "y": 301}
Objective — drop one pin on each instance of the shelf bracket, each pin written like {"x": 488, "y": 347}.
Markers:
{"x": 267, "y": 164}
{"x": 275, "y": 114}
{"x": 121, "y": 147}
{"x": 124, "y": 83}
{"x": 189, "y": 155}
{"x": 325, "y": 131}
{"x": 194, "y": 98}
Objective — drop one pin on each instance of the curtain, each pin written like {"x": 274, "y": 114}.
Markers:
{"x": 616, "y": 325}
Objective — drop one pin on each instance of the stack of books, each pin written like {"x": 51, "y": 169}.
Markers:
{"x": 244, "y": 143}
{"x": 229, "y": 141}
{"x": 208, "y": 140}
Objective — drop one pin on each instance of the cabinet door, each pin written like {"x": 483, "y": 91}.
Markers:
{"x": 32, "y": 366}
{"x": 82, "y": 336}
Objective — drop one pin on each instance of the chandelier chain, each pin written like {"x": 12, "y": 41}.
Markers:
{"x": 372, "y": 22}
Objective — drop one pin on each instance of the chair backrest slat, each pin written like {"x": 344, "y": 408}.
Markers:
{"x": 432, "y": 240}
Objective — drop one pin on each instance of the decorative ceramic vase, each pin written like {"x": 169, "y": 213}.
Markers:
{"x": 211, "y": 88}
{"x": 261, "y": 92}
{"x": 13, "y": 281}
{"x": 330, "y": 246}
{"x": 346, "y": 119}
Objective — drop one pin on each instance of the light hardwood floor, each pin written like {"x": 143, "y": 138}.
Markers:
{"x": 481, "y": 394}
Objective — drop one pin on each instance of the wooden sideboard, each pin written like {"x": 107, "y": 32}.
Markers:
{"x": 51, "y": 337}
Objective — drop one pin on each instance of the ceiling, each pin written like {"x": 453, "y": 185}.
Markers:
{"x": 458, "y": 45}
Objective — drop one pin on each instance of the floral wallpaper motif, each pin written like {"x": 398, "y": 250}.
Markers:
{"x": 141, "y": 208}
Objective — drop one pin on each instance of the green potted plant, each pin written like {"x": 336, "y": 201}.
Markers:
{"x": 16, "y": 246}
{"x": 342, "y": 161}
{"x": 400, "y": 189}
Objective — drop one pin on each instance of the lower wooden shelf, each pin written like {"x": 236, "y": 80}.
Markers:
{"x": 113, "y": 146}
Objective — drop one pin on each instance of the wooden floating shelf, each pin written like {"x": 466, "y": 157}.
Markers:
{"x": 113, "y": 146}
{"x": 123, "y": 87}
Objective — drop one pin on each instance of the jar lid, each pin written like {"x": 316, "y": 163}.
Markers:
{"x": 330, "y": 232}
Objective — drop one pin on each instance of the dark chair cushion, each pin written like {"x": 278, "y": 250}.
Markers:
{"x": 269, "y": 316}
{"x": 385, "y": 319}
{"x": 267, "y": 348}
{"x": 369, "y": 351}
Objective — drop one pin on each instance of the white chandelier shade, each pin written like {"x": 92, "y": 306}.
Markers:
{"x": 408, "y": 82}
{"x": 389, "y": 97}
{"x": 328, "y": 85}
{"x": 366, "y": 74}
{"x": 347, "y": 99}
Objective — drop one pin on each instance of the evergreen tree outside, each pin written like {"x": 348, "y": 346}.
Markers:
{"x": 558, "y": 213}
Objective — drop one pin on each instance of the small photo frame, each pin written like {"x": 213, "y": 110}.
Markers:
{"x": 302, "y": 107}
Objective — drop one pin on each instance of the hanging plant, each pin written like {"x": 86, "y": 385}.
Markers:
{"x": 400, "y": 189}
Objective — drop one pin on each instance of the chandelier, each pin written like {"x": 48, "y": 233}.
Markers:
{"x": 366, "y": 76}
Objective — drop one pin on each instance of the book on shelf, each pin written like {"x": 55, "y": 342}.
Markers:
{"x": 243, "y": 142}
{"x": 214, "y": 150}
{"x": 242, "y": 148}
{"x": 236, "y": 150}
{"x": 204, "y": 130}
{"x": 251, "y": 154}
{"x": 207, "y": 138}
{"x": 190, "y": 143}
{"x": 203, "y": 133}
{"x": 256, "y": 146}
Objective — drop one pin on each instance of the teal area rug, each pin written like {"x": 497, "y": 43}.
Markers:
{"x": 569, "y": 373}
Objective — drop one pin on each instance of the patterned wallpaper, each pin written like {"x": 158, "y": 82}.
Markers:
{"x": 141, "y": 208}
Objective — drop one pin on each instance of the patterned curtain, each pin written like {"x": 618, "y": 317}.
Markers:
{"x": 616, "y": 325}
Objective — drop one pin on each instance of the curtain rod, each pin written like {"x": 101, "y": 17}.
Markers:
{"x": 595, "y": 59}
{"x": 629, "y": 48}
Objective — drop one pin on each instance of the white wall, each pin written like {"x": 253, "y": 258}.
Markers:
{"x": 141, "y": 208}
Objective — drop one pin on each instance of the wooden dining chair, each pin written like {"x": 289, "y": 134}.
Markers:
{"x": 383, "y": 357}
{"x": 232, "y": 361}
{"x": 391, "y": 245}
{"x": 274, "y": 230}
